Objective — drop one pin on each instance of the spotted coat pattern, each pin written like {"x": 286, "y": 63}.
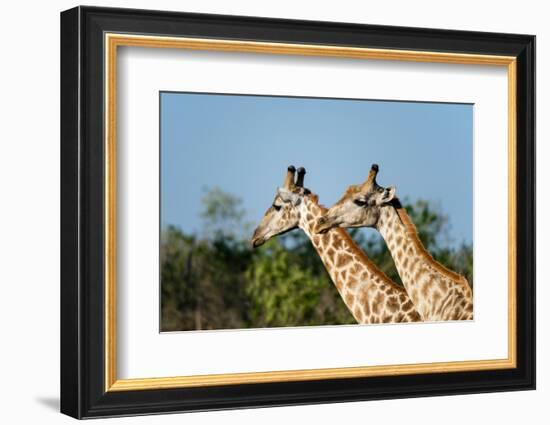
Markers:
{"x": 436, "y": 292}
{"x": 367, "y": 292}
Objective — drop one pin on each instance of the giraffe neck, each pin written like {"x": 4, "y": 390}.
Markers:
{"x": 436, "y": 292}
{"x": 367, "y": 292}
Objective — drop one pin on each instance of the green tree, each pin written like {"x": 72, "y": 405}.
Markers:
{"x": 285, "y": 289}
{"x": 202, "y": 279}
{"x": 222, "y": 215}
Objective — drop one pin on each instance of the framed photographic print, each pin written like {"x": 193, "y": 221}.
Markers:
{"x": 261, "y": 212}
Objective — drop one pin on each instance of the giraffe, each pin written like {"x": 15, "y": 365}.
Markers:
{"x": 368, "y": 293}
{"x": 437, "y": 292}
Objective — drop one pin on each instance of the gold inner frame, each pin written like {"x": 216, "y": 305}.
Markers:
{"x": 113, "y": 41}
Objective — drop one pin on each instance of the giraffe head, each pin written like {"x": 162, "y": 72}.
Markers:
{"x": 283, "y": 215}
{"x": 359, "y": 206}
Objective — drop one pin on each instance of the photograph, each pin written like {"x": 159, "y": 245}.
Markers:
{"x": 285, "y": 211}
{"x": 265, "y": 210}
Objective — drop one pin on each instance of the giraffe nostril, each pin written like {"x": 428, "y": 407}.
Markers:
{"x": 322, "y": 220}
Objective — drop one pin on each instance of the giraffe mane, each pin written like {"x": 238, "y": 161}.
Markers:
{"x": 314, "y": 198}
{"x": 412, "y": 232}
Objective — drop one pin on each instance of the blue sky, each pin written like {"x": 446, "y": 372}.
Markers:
{"x": 243, "y": 145}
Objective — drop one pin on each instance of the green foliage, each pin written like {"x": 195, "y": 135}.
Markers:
{"x": 222, "y": 214}
{"x": 285, "y": 290}
{"x": 216, "y": 281}
{"x": 430, "y": 223}
{"x": 202, "y": 283}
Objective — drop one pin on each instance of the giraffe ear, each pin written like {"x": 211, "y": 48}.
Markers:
{"x": 288, "y": 196}
{"x": 387, "y": 195}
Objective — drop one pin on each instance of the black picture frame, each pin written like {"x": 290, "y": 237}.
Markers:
{"x": 83, "y": 392}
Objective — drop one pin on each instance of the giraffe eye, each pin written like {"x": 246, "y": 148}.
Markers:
{"x": 359, "y": 202}
{"x": 380, "y": 189}
{"x": 277, "y": 207}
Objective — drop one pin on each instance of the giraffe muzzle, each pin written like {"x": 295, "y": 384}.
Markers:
{"x": 324, "y": 224}
{"x": 257, "y": 239}
{"x": 257, "y": 242}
